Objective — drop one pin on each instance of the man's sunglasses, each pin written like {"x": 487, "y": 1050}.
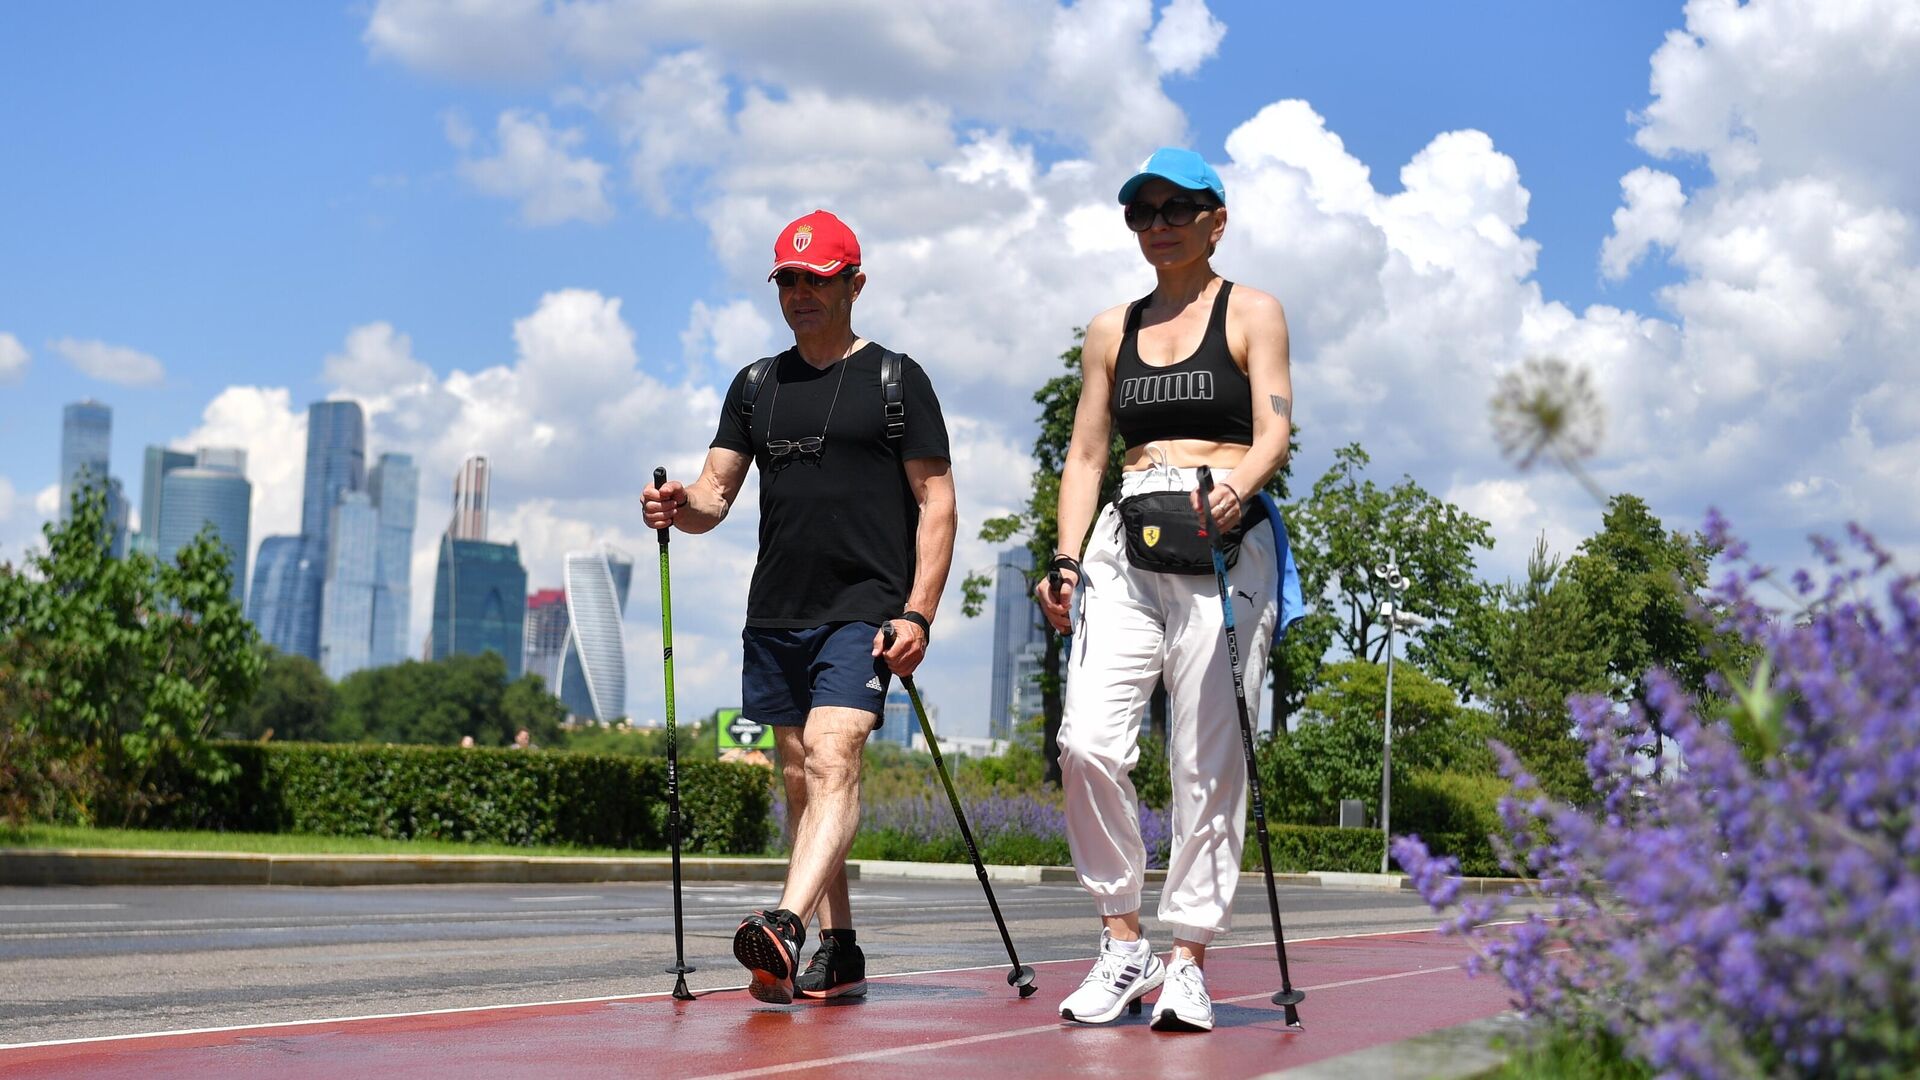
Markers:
{"x": 1176, "y": 212}
{"x": 804, "y": 447}
{"x": 787, "y": 279}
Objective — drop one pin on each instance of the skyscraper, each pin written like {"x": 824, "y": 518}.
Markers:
{"x": 546, "y": 635}
{"x": 86, "y": 439}
{"x": 472, "y": 489}
{"x": 160, "y": 461}
{"x": 346, "y": 621}
{"x": 213, "y": 491}
{"x": 394, "y": 484}
{"x": 593, "y": 671}
{"x": 479, "y": 601}
{"x": 1019, "y": 641}
{"x": 289, "y": 577}
{"x": 336, "y": 462}
{"x": 288, "y": 615}
{"x": 900, "y": 725}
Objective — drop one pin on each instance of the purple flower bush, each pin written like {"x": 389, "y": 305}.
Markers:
{"x": 1753, "y": 910}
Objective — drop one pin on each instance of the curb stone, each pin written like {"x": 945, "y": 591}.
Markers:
{"x": 103, "y": 866}
{"x": 1451, "y": 1053}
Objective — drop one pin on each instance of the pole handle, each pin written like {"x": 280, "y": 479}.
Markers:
{"x": 659, "y": 481}
{"x": 1206, "y": 507}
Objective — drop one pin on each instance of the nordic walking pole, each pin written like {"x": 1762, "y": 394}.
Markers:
{"x": 1288, "y": 996}
{"x": 1021, "y": 976}
{"x": 680, "y": 967}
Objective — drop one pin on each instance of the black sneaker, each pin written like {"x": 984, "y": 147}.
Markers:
{"x": 767, "y": 943}
{"x": 838, "y": 969}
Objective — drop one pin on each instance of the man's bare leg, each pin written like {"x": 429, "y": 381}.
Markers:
{"x": 832, "y": 742}
{"x": 836, "y": 908}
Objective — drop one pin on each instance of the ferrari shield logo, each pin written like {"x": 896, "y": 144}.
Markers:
{"x": 1151, "y": 534}
{"x": 802, "y": 237}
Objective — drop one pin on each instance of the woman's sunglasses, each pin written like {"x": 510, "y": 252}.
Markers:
{"x": 787, "y": 279}
{"x": 1176, "y": 212}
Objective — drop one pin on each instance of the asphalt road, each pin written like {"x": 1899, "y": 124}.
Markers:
{"x": 85, "y": 962}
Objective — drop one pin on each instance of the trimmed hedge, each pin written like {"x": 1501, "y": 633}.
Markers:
{"x": 1300, "y": 849}
{"x": 1454, "y": 813}
{"x": 477, "y": 796}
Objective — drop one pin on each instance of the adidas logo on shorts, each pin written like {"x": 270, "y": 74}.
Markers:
{"x": 873, "y": 683}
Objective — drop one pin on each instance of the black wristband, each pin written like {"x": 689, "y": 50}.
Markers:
{"x": 919, "y": 620}
{"x": 1063, "y": 561}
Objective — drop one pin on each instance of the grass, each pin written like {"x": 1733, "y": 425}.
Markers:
{"x": 68, "y": 836}
{"x": 1557, "y": 1054}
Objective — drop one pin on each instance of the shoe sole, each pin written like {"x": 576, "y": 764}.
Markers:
{"x": 761, "y": 952}
{"x": 1173, "y": 1021}
{"x": 856, "y": 988}
{"x": 1130, "y": 1003}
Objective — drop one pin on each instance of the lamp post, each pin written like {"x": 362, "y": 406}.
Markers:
{"x": 1389, "y": 575}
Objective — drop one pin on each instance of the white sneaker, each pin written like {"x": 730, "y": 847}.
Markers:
{"x": 1124, "y": 972}
{"x": 1184, "y": 1004}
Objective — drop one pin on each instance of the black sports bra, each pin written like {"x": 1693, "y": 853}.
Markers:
{"x": 1205, "y": 396}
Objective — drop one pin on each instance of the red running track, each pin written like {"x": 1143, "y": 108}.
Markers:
{"x": 1362, "y": 991}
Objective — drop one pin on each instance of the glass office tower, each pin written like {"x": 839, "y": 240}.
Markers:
{"x": 479, "y": 601}
{"x": 215, "y": 492}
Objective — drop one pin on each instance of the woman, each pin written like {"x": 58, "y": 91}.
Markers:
{"x": 1194, "y": 374}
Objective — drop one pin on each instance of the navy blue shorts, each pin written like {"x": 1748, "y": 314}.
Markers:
{"x": 787, "y": 673}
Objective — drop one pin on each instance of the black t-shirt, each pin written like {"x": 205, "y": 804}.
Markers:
{"x": 837, "y": 527}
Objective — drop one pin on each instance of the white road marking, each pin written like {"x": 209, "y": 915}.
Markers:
{"x": 549, "y": 899}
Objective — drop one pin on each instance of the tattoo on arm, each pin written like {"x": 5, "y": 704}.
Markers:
{"x": 1281, "y": 406}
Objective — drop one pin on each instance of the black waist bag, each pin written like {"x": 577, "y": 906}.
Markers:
{"x": 1165, "y": 536}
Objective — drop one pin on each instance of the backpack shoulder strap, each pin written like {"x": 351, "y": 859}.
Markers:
{"x": 893, "y": 394}
{"x": 756, "y": 377}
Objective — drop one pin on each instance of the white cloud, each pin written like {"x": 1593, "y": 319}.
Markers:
{"x": 1186, "y": 37}
{"x": 110, "y": 363}
{"x": 7, "y": 498}
{"x": 1792, "y": 88}
{"x": 46, "y": 501}
{"x": 470, "y": 37}
{"x": 1650, "y": 218}
{"x": 535, "y": 165}
{"x": 730, "y": 335}
{"x": 263, "y": 422}
{"x": 376, "y": 361}
{"x": 981, "y": 181}
{"x": 13, "y": 358}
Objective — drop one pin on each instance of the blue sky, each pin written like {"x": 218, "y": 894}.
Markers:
{"x": 231, "y": 202}
{"x": 236, "y": 190}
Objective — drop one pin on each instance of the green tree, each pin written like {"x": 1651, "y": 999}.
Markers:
{"x": 1545, "y": 646}
{"x": 128, "y": 664}
{"x": 294, "y": 703}
{"x": 437, "y": 703}
{"x": 1344, "y": 531}
{"x": 1641, "y": 584}
{"x": 1431, "y": 729}
{"x": 528, "y": 704}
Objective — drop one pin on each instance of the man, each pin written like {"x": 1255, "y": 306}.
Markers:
{"x": 856, "y": 530}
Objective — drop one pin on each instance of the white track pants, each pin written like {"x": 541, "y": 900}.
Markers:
{"x": 1134, "y": 628}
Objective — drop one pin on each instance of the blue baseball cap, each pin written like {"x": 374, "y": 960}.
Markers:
{"x": 1183, "y": 168}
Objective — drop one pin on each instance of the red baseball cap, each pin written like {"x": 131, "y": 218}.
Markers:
{"x": 819, "y": 242}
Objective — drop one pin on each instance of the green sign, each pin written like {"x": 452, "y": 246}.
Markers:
{"x": 736, "y": 732}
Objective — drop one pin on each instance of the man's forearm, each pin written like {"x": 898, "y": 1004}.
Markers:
{"x": 706, "y": 506}
{"x": 933, "y": 553}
